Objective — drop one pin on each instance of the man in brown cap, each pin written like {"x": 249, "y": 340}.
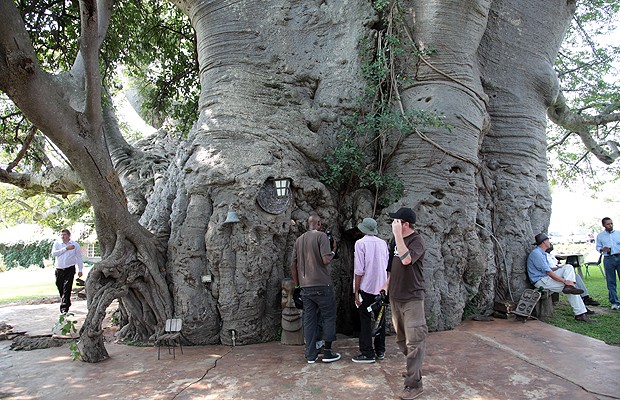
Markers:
{"x": 542, "y": 275}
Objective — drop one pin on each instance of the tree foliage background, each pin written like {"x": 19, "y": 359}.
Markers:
{"x": 588, "y": 66}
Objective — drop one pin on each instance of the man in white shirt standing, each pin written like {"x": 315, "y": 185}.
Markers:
{"x": 68, "y": 255}
{"x": 608, "y": 244}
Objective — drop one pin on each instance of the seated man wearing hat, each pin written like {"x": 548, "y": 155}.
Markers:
{"x": 562, "y": 279}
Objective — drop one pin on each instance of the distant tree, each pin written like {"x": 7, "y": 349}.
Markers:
{"x": 584, "y": 143}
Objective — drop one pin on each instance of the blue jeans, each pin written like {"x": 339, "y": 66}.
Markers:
{"x": 612, "y": 268}
{"x": 318, "y": 299}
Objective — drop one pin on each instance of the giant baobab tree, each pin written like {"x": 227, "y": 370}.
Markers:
{"x": 465, "y": 86}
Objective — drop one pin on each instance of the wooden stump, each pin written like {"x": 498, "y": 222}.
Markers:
{"x": 544, "y": 308}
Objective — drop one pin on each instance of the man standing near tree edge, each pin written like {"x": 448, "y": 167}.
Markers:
{"x": 406, "y": 291}
{"x": 608, "y": 244}
{"x": 67, "y": 253}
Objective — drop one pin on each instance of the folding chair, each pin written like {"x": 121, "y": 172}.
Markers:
{"x": 595, "y": 264}
{"x": 171, "y": 336}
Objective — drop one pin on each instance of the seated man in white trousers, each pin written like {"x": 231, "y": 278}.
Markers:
{"x": 579, "y": 284}
{"x": 562, "y": 279}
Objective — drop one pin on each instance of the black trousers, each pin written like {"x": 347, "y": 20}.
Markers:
{"x": 366, "y": 340}
{"x": 64, "y": 284}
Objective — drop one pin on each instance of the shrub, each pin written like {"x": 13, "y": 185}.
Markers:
{"x": 25, "y": 254}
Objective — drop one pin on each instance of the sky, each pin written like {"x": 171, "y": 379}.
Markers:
{"x": 574, "y": 210}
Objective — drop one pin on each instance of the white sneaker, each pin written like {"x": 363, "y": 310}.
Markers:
{"x": 615, "y": 307}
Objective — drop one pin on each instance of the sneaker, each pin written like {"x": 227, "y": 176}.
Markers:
{"x": 380, "y": 356}
{"x": 330, "y": 356}
{"x": 363, "y": 359}
{"x": 312, "y": 361}
{"x": 589, "y": 301}
{"x": 615, "y": 307}
{"x": 410, "y": 393}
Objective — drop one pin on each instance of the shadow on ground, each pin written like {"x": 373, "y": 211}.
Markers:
{"x": 501, "y": 359}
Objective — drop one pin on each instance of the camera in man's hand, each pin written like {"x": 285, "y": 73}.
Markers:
{"x": 332, "y": 240}
{"x": 382, "y": 298}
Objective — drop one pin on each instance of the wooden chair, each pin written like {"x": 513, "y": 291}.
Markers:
{"x": 171, "y": 336}
{"x": 595, "y": 264}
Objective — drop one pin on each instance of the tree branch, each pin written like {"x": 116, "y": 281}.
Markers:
{"x": 22, "y": 151}
{"x": 31, "y": 89}
{"x": 57, "y": 181}
{"x": 580, "y": 124}
{"x": 89, "y": 50}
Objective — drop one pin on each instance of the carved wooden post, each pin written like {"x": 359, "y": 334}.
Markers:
{"x": 292, "y": 325}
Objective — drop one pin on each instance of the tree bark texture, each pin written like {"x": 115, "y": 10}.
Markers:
{"x": 277, "y": 77}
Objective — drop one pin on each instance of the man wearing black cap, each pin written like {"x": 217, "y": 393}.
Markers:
{"x": 562, "y": 279}
{"x": 406, "y": 289}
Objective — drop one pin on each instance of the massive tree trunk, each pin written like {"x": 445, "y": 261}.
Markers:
{"x": 276, "y": 80}
{"x": 271, "y": 104}
{"x": 517, "y": 54}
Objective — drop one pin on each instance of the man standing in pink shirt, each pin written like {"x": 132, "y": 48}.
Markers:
{"x": 370, "y": 277}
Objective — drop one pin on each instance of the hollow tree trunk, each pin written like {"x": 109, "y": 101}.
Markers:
{"x": 275, "y": 80}
{"x": 268, "y": 109}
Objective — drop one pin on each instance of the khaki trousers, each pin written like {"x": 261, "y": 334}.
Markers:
{"x": 411, "y": 331}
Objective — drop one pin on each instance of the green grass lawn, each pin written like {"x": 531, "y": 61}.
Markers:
{"x": 608, "y": 327}
{"x": 29, "y": 292}
{"x": 37, "y": 283}
{"x": 26, "y": 284}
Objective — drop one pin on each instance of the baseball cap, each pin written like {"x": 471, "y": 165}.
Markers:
{"x": 405, "y": 214}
